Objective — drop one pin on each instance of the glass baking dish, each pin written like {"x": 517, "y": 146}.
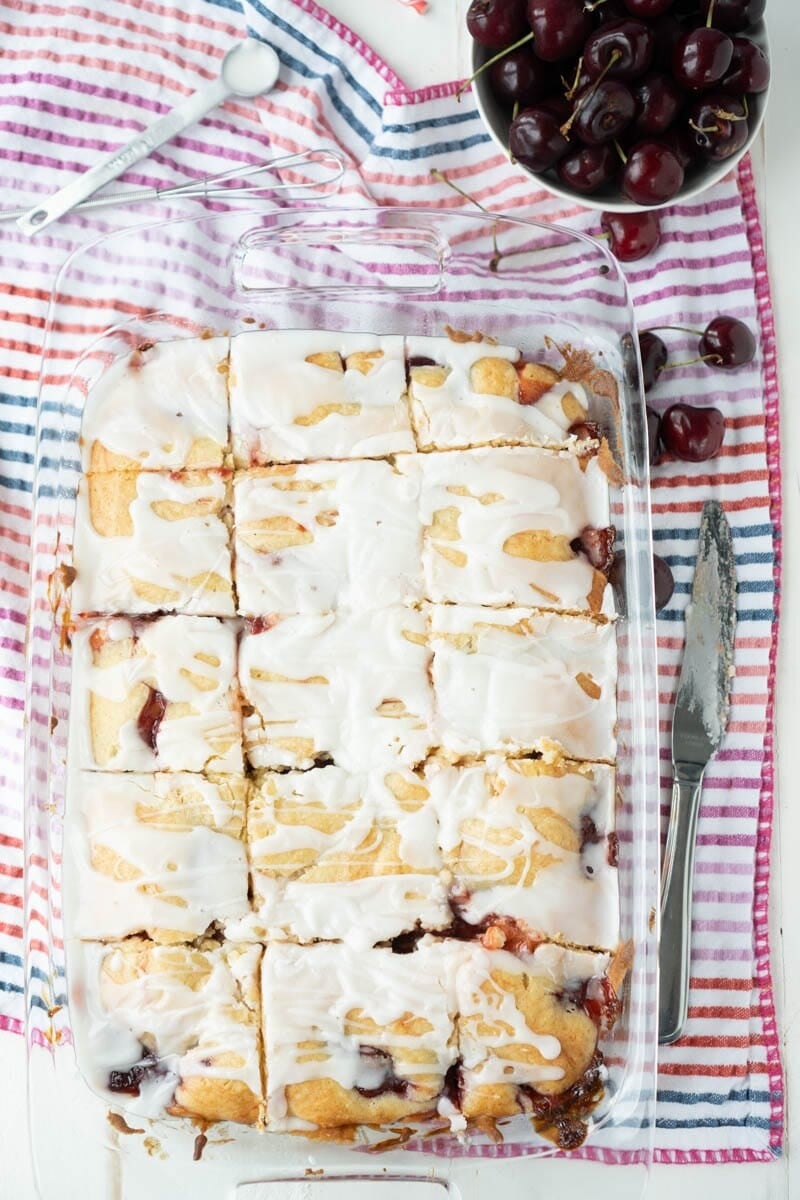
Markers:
{"x": 539, "y": 287}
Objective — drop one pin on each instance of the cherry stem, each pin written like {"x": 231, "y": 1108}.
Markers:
{"x": 690, "y": 362}
{"x": 573, "y": 87}
{"x": 491, "y": 61}
{"x": 710, "y": 14}
{"x": 440, "y": 175}
{"x": 567, "y": 126}
{"x": 620, "y": 151}
{"x": 591, "y": 7}
{"x": 675, "y": 329}
{"x": 704, "y": 128}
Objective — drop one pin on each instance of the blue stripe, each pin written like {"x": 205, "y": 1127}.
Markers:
{"x": 38, "y": 1002}
{"x": 742, "y": 614}
{"x": 689, "y": 535}
{"x": 62, "y": 409}
{"x": 12, "y": 960}
{"x": 308, "y": 73}
{"x": 745, "y": 585}
{"x": 20, "y": 456}
{"x": 672, "y": 1097}
{"x": 59, "y": 435}
{"x": 52, "y": 493}
{"x": 17, "y": 401}
{"x": 15, "y": 427}
{"x": 433, "y": 122}
{"x": 5, "y": 986}
{"x": 755, "y": 558}
{"x": 716, "y": 1123}
{"x": 434, "y": 148}
{"x": 16, "y": 485}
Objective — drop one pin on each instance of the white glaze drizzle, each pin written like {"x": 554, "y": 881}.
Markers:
{"x": 493, "y": 497}
{"x": 287, "y": 847}
{"x": 155, "y": 406}
{"x": 276, "y": 392}
{"x": 350, "y": 685}
{"x": 310, "y": 991}
{"x": 506, "y": 680}
{"x": 454, "y": 416}
{"x": 328, "y": 535}
{"x": 187, "y": 1005}
{"x": 135, "y": 864}
{"x": 192, "y": 662}
{"x": 504, "y": 809}
{"x": 181, "y": 564}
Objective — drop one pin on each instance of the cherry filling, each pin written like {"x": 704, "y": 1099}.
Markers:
{"x": 150, "y": 717}
{"x": 612, "y": 851}
{"x": 406, "y": 943}
{"x": 128, "y": 1082}
{"x": 418, "y": 360}
{"x": 562, "y": 1118}
{"x": 585, "y": 430}
{"x": 493, "y": 931}
{"x": 260, "y": 624}
{"x": 597, "y": 545}
{"x": 602, "y": 1003}
{"x": 453, "y": 1087}
{"x": 377, "y": 1063}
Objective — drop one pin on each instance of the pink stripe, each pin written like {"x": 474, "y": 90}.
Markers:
{"x": 762, "y": 873}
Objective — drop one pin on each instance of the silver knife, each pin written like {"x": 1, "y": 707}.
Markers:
{"x": 698, "y": 726}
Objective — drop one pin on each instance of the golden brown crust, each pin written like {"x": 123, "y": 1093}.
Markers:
{"x": 216, "y": 1100}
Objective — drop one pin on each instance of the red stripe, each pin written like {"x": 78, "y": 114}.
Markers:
{"x": 9, "y": 871}
{"x": 726, "y": 1071}
{"x": 11, "y": 901}
{"x": 14, "y": 931}
{"x": 7, "y": 840}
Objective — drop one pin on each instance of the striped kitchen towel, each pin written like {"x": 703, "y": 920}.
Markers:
{"x": 75, "y": 80}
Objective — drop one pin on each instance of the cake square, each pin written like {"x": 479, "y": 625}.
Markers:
{"x": 351, "y": 688}
{"x": 162, "y": 408}
{"x": 504, "y": 526}
{"x": 336, "y": 856}
{"x": 170, "y": 1030}
{"x": 149, "y": 541}
{"x": 355, "y": 1037}
{"x": 321, "y": 536}
{"x": 159, "y": 854}
{"x": 527, "y": 1032}
{"x": 469, "y": 391}
{"x": 532, "y": 840}
{"x": 302, "y": 394}
{"x": 156, "y": 694}
{"x": 514, "y": 680}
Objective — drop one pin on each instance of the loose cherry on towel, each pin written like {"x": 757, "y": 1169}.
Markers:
{"x": 692, "y": 434}
{"x": 631, "y": 235}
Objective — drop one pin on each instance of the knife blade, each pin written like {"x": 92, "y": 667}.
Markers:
{"x": 699, "y": 721}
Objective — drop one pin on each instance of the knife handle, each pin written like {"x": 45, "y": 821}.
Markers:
{"x": 676, "y": 902}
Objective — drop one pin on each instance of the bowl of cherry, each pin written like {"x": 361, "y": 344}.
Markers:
{"x": 621, "y": 104}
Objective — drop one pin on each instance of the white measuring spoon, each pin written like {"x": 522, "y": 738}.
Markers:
{"x": 248, "y": 69}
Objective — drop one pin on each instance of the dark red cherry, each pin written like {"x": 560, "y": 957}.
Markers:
{"x": 667, "y": 32}
{"x": 604, "y": 109}
{"x": 631, "y": 235}
{"x": 680, "y": 140}
{"x": 701, "y": 57}
{"x": 727, "y": 342}
{"x": 560, "y": 27}
{"x": 560, "y": 107}
{"x": 654, "y": 358}
{"x": 658, "y": 102}
{"x": 535, "y": 139}
{"x": 663, "y": 582}
{"x": 733, "y": 15}
{"x": 150, "y": 717}
{"x": 629, "y": 43}
{"x": 496, "y": 23}
{"x": 646, "y": 10}
{"x": 521, "y": 78}
{"x": 749, "y": 69}
{"x": 652, "y": 174}
{"x": 692, "y": 434}
{"x": 588, "y": 168}
{"x": 653, "y": 434}
{"x": 718, "y": 124}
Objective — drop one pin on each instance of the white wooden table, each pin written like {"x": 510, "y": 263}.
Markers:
{"x": 432, "y": 49}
